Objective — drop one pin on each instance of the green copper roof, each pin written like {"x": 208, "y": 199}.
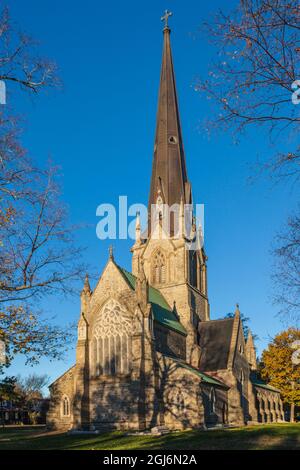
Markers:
{"x": 260, "y": 383}
{"x": 205, "y": 378}
{"x": 161, "y": 309}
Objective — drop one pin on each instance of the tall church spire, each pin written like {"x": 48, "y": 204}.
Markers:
{"x": 169, "y": 176}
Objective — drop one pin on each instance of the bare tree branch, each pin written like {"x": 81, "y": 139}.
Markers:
{"x": 251, "y": 84}
{"x": 18, "y": 62}
{"x": 287, "y": 268}
{"x": 38, "y": 256}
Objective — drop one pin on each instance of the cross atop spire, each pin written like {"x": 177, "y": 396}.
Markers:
{"x": 165, "y": 18}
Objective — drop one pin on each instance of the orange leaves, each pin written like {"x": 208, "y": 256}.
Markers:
{"x": 279, "y": 368}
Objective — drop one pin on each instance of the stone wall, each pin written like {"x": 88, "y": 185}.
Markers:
{"x": 179, "y": 395}
{"x": 235, "y": 408}
{"x": 269, "y": 405}
{"x": 114, "y": 403}
{"x": 64, "y": 386}
{"x": 169, "y": 342}
{"x": 217, "y": 414}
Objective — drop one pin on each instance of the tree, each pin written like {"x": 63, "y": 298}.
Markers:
{"x": 256, "y": 83}
{"x": 38, "y": 257}
{"x": 31, "y": 393}
{"x": 19, "y": 62}
{"x": 7, "y": 392}
{"x": 286, "y": 274}
{"x": 25, "y": 393}
{"x": 278, "y": 368}
{"x": 257, "y": 74}
{"x": 32, "y": 386}
{"x": 7, "y": 388}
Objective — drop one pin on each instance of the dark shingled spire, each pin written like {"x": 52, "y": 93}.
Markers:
{"x": 169, "y": 176}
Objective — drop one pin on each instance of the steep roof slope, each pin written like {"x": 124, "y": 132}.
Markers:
{"x": 215, "y": 339}
{"x": 162, "y": 312}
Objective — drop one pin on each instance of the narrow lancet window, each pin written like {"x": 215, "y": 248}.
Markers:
{"x": 159, "y": 268}
{"x": 111, "y": 340}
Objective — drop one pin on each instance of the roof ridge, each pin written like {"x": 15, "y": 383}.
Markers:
{"x": 64, "y": 373}
{"x": 150, "y": 286}
{"x": 217, "y": 320}
{"x": 163, "y": 313}
{"x": 124, "y": 269}
{"x": 260, "y": 383}
{"x": 197, "y": 371}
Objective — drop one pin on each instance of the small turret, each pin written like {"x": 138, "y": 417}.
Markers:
{"x": 141, "y": 286}
{"x": 175, "y": 310}
{"x": 251, "y": 352}
{"x": 237, "y": 313}
{"x": 181, "y": 221}
{"x": 85, "y": 295}
{"x": 138, "y": 229}
{"x": 200, "y": 237}
{"x": 111, "y": 253}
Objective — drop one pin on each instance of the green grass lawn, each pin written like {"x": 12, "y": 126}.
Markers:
{"x": 279, "y": 436}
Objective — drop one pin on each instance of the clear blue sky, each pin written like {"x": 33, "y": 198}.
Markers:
{"x": 100, "y": 129}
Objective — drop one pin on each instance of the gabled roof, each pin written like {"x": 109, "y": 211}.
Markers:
{"x": 62, "y": 375}
{"x": 205, "y": 378}
{"x": 260, "y": 383}
{"x": 162, "y": 312}
{"x": 215, "y": 340}
{"x": 264, "y": 385}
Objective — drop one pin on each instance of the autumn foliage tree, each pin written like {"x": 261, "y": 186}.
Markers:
{"x": 37, "y": 255}
{"x": 280, "y": 366}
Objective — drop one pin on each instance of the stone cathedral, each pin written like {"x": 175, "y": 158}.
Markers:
{"x": 148, "y": 355}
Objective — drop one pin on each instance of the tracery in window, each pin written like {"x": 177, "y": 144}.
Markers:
{"x": 111, "y": 347}
{"x": 159, "y": 268}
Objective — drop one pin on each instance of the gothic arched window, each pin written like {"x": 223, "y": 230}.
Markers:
{"x": 159, "y": 268}
{"x": 212, "y": 400}
{"x": 242, "y": 377}
{"x": 111, "y": 348}
{"x": 193, "y": 269}
{"x": 65, "y": 406}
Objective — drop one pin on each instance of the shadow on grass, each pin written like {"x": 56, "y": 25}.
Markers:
{"x": 280, "y": 436}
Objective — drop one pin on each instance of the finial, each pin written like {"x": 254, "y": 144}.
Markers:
{"x": 237, "y": 310}
{"x": 175, "y": 309}
{"x": 200, "y": 235}
{"x": 138, "y": 228}
{"x": 165, "y": 18}
{"x": 249, "y": 337}
{"x": 138, "y": 221}
{"x": 86, "y": 285}
{"x": 111, "y": 252}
